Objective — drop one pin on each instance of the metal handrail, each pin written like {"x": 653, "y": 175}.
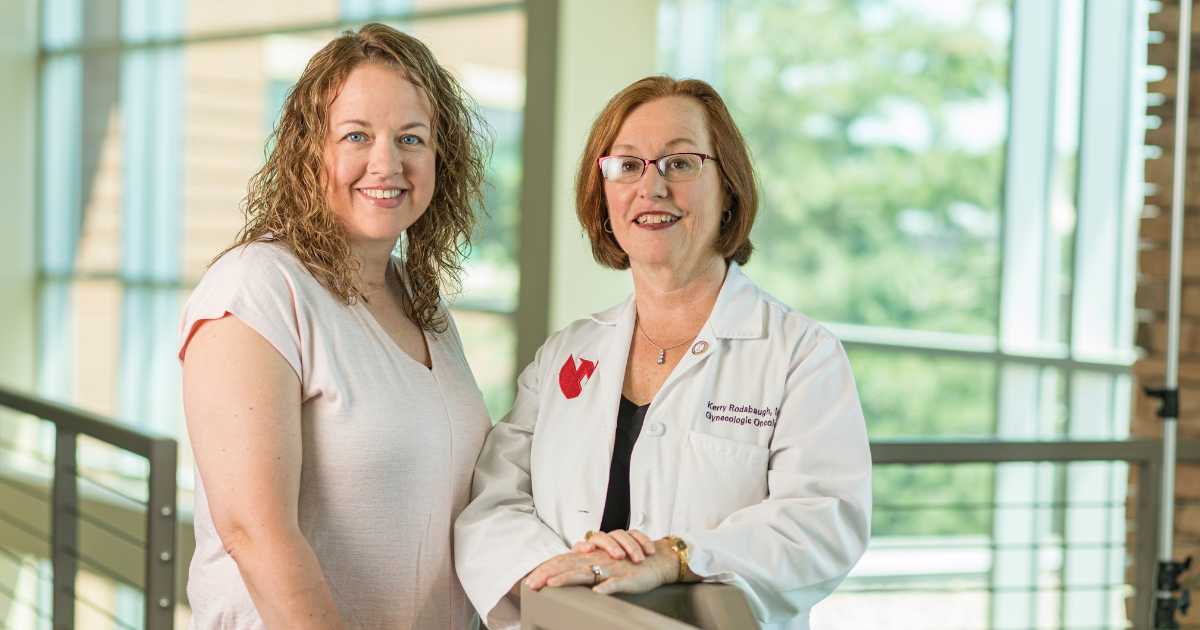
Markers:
{"x": 1143, "y": 453}
{"x": 671, "y": 607}
{"x": 577, "y": 607}
{"x": 705, "y": 606}
{"x": 159, "y": 551}
{"x": 993, "y": 451}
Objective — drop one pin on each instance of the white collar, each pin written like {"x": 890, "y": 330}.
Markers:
{"x": 736, "y": 315}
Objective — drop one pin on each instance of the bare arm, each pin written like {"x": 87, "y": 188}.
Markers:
{"x": 242, "y": 402}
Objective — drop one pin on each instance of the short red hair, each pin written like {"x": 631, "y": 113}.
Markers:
{"x": 733, "y": 163}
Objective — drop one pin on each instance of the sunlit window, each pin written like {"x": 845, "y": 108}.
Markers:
{"x": 154, "y": 115}
{"x": 941, "y": 191}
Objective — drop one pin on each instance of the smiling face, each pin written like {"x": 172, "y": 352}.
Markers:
{"x": 379, "y": 156}
{"x": 662, "y": 223}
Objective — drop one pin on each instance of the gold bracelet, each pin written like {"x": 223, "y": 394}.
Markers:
{"x": 681, "y": 549}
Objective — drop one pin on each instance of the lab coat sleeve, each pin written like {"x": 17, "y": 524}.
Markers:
{"x": 499, "y": 538}
{"x": 794, "y": 548}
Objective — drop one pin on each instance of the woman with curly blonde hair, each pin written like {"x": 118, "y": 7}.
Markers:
{"x": 332, "y": 414}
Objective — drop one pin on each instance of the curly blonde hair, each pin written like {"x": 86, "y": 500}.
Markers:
{"x": 287, "y": 201}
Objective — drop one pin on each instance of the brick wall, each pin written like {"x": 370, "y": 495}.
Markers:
{"x": 1152, "y": 275}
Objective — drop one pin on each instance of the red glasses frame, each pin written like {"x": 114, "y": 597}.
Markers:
{"x": 703, "y": 157}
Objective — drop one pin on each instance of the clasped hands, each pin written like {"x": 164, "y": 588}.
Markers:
{"x": 629, "y": 562}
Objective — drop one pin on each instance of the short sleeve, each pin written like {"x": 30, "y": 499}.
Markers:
{"x": 257, "y": 283}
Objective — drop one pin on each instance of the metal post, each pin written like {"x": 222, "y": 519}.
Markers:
{"x": 64, "y": 530}
{"x": 160, "y": 537}
{"x": 1145, "y": 565}
{"x": 1169, "y": 570}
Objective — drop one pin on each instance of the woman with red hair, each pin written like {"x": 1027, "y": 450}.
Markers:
{"x": 701, "y": 429}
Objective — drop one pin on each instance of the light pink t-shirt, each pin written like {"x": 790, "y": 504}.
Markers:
{"x": 389, "y": 447}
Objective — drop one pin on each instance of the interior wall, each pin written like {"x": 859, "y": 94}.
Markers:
{"x": 18, "y": 118}
{"x": 18, "y": 107}
{"x": 588, "y": 76}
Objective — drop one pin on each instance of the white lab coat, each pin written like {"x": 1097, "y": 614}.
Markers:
{"x": 754, "y": 451}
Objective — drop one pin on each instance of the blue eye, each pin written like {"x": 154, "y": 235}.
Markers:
{"x": 356, "y": 136}
{"x": 410, "y": 140}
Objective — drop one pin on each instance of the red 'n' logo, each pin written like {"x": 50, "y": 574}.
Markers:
{"x": 571, "y": 379}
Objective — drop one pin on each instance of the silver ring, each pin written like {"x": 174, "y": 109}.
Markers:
{"x": 596, "y": 571}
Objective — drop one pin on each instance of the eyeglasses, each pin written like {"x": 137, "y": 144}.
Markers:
{"x": 677, "y": 167}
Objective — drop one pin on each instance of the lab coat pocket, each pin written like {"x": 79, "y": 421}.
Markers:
{"x": 718, "y": 477}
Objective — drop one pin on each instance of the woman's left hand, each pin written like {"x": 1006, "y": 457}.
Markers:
{"x": 617, "y": 576}
{"x": 619, "y": 544}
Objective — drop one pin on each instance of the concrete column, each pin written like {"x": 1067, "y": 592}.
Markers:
{"x": 587, "y": 78}
{"x": 560, "y": 282}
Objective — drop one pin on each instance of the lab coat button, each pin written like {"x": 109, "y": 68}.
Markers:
{"x": 638, "y": 519}
{"x": 655, "y": 429}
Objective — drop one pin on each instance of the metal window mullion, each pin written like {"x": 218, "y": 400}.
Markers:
{"x": 1134, "y": 176}
{"x": 1067, "y": 103}
{"x": 60, "y": 163}
{"x": 699, "y": 36}
{"x": 1021, "y": 302}
{"x": 1027, "y": 175}
{"x": 165, "y": 180}
{"x": 1100, "y": 262}
{"x": 61, "y": 22}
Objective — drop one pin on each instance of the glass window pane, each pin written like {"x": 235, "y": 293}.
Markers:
{"x": 879, "y": 131}
{"x": 228, "y": 115}
{"x": 907, "y": 394}
{"x": 487, "y": 52}
{"x": 1014, "y": 546}
{"x": 932, "y": 500}
{"x": 206, "y": 17}
{"x": 60, "y": 121}
{"x": 489, "y": 340}
{"x": 109, "y": 347}
{"x": 80, "y": 324}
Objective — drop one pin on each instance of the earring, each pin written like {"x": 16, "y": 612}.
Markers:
{"x": 607, "y": 226}
{"x": 726, "y": 216}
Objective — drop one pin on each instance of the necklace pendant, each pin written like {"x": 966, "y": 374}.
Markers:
{"x": 661, "y": 352}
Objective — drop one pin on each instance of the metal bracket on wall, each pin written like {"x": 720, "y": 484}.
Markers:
{"x": 1170, "y": 401}
{"x": 1166, "y": 604}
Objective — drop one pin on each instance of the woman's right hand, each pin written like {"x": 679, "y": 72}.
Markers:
{"x": 619, "y": 544}
{"x": 614, "y": 576}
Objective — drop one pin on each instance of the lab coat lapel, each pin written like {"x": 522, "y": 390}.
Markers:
{"x": 737, "y": 314}
{"x": 607, "y": 383}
